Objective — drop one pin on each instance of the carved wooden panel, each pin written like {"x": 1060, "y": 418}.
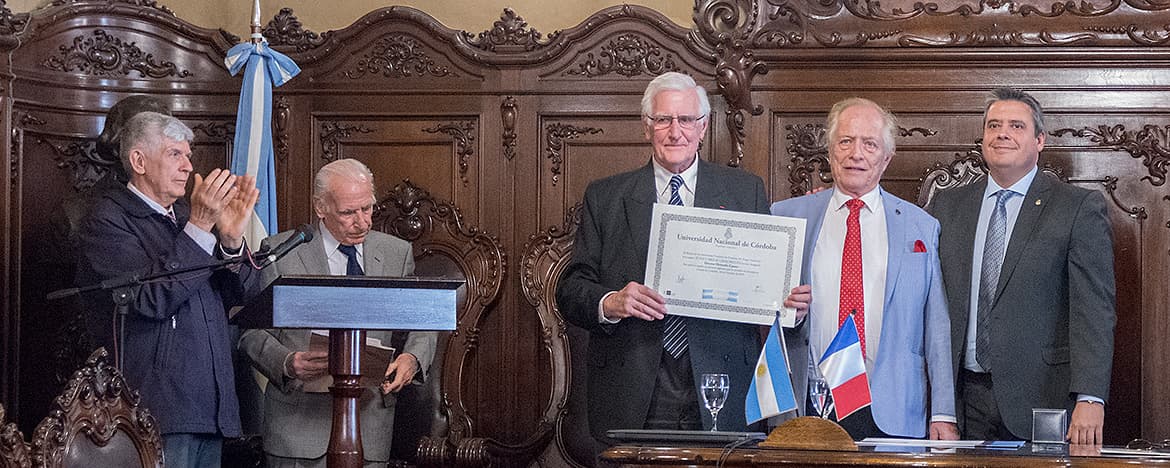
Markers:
{"x": 14, "y": 450}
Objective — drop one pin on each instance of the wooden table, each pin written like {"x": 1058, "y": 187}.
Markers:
{"x": 1027, "y": 456}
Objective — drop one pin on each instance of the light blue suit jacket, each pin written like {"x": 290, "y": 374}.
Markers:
{"x": 915, "y": 353}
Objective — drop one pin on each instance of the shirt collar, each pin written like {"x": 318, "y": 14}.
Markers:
{"x": 689, "y": 175}
{"x": 872, "y": 199}
{"x": 331, "y": 243}
{"x": 1020, "y": 187}
{"x": 149, "y": 202}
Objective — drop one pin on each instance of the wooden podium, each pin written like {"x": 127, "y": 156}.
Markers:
{"x": 347, "y": 306}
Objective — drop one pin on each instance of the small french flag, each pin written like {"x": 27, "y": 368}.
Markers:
{"x": 844, "y": 370}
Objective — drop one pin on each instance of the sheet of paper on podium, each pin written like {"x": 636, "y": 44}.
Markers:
{"x": 376, "y": 355}
{"x": 725, "y": 265}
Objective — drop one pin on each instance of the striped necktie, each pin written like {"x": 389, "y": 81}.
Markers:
{"x": 674, "y": 339}
{"x": 993, "y": 251}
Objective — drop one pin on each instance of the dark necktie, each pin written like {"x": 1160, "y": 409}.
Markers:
{"x": 171, "y": 216}
{"x": 993, "y": 250}
{"x": 674, "y": 339}
{"x": 852, "y": 285}
{"x": 352, "y": 266}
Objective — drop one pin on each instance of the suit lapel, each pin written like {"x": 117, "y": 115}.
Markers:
{"x": 819, "y": 203}
{"x": 312, "y": 255}
{"x": 639, "y": 209}
{"x": 709, "y": 193}
{"x": 373, "y": 259}
{"x": 895, "y": 244}
{"x": 970, "y": 199}
{"x": 1026, "y": 222}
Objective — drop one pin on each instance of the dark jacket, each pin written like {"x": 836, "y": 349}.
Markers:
{"x": 177, "y": 348}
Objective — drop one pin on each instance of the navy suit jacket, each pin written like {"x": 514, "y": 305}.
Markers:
{"x": 911, "y": 379}
{"x": 178, "y": 352}
{"x": 610, "y": 251}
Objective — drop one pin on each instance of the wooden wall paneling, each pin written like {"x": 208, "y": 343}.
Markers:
{"x": 9, "y": 235}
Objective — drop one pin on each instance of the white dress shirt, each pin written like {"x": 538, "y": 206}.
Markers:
{"x": 826, "y": 273}
{"x": 337, "y": 260}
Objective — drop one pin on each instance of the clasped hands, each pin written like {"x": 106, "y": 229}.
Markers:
{"x": 224, "y": 201}
{"x": 311, "y": 365}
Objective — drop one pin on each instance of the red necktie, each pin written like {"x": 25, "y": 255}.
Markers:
{"x": 852, "y": 287}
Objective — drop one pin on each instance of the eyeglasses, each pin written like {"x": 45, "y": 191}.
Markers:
{"x": 661, "y": 122}
{"x": 1143, "y": 444}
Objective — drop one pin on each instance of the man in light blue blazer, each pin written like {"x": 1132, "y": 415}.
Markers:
{"x": 891, "y": 281}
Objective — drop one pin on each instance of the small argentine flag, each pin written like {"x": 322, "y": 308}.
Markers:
{"x": 771, "y": 391}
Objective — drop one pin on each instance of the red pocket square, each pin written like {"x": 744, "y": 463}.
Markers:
{"x": 919, "y": 246}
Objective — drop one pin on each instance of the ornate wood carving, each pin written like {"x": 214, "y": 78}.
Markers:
{"x": 143, "y": 3}
{"x": 23, "y": 121}
{"x": 556, "y": 135}
{"x": 1135, "y": 212}
{"x": 80, "y": 158}
{"x": 810, "y": 156}
{"x": 508, "y": 118}
{"x": 104, "y": 55}
{"x": 437, "y": 228}
{"x": 398, "y": 56}
{"x": 1148, "y": 144}
{"x": 218, "y": 131}
{"x": 509, "y": 33}
{"x": 280, "y": 115}
{"x": 925, "y": 132}
{"x": 286, "y": 30}
{"x": 628, "y": 55}
{"x": 987, "y": 23}
{"x": 14, "y": 451}
{"x": 463, "y": 135}
{"x": 725, "y": 24}
{"x": 96, "y": 404}
{"x": 331, "y": 135}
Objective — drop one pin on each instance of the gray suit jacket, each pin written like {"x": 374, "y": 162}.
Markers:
{"x": 297, "y": 424}
{"x": 610, "y": 251}
{"x": 1053, "y": 316}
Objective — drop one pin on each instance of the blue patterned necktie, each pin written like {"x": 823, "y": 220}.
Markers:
{"x": 993, "y": 251}
{"x": 674, "y": 339}
{"x": 352, "y": 266}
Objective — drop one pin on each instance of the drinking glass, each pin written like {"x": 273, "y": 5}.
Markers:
{"x": 819, "y": 390}
{"x": 715, "y": 387}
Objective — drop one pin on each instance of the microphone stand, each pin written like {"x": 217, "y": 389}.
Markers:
{"x": 125, "y": 288}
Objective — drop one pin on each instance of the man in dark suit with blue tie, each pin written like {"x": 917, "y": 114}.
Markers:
{"x": 1028, "y": 265}
{"x": 643, "y": 362}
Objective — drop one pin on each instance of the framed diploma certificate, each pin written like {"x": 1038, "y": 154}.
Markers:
{"x": 725, "y": 265}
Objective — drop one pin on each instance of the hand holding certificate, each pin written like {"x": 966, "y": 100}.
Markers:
{"x": 725, "y": 265}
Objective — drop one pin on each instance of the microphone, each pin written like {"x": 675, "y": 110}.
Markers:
{"x": 303, "y": 234}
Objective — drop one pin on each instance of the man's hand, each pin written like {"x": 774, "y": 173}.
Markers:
{"x": 799, "y": 299}
{"x": 1087, "y": 421}
{"x": 942, "y": 430}
{"x": 234, "y": 217}
{"x": 406, "y": 365}
{"x": 308, "y": 365}
{"x": 209, "y": 196}
{"x": 634, "y": 300}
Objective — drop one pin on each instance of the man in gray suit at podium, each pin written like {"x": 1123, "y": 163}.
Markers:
{"x": 298, "y": 418}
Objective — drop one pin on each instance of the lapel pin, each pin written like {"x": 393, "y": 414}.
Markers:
{"x": 1037, "y": 202}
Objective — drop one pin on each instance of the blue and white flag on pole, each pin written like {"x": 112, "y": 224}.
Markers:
{"x": 771, "y": 391}
{"x": 252, "y": 149}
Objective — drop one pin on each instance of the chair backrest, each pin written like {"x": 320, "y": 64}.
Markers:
{"x": 545, "y": 257}
{"x": 96, "y": 421}
{"x": 14, "y": 450}
{"x": 445, "y": 247}
{"x": 963, "y": 170}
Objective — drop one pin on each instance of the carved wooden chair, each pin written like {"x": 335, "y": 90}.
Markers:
{"x": 545, "y": 257}
{"x": 964, "y": 169}
{"x": 14, "y": 450}
{"x": 431, "y": 417}
{"x": 96, "y": 421}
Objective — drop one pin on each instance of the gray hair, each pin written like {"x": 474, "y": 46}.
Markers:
{"x": 674, "y": 81}
{"x": 145, "y": 130}
{"x": 1011, "y": 94}
{"x": 889, "y": 122}
{"x": 349, "y": 169}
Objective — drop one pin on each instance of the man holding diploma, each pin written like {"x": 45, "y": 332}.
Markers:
{"x": 644, "y": 363}
{"x": 872, "y": 258}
